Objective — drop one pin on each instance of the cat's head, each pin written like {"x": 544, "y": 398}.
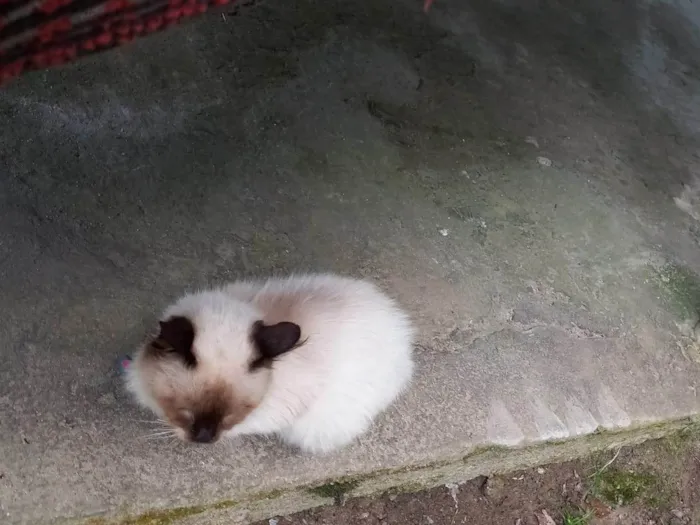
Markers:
{"x": 210, "y": 364}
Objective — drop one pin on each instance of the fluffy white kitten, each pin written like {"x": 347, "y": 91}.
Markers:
{"x": 310, "y": 358}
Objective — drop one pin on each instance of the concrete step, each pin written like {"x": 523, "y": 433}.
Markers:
{"x": 514, "y": 194}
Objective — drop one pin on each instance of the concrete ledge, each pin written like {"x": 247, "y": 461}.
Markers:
{"x": 411, "y": 478}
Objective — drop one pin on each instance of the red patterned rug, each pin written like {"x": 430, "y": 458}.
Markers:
{"x": 36, "y": 34}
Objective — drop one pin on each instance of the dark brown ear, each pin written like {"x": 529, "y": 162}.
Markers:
{"x": 176, "y": 337}
{"x": 271, "y": 341}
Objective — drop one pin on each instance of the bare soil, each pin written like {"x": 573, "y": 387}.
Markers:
{"x": 656, "y": 483}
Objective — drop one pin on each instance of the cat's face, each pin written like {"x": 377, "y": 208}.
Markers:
{"x": 205, "y": 372}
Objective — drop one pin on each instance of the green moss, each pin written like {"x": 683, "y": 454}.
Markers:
{"x": 337, "y": 490}
{"x": 163, "y": 517}
{"x": 406, "y": 488}
{"x": 687, "y": 426}
{"x": 492, "y": 451}
{"x": 171, "y": 516}
{"x": 576, "y": 518}
{"x": 483, "y": 450}
{"x": 225, "y": 504}
{"x": 619, "y": 487}
{"x": 410, "y": 488}
{"x": 270, "y": 494}
{"x": 681, "y": 289}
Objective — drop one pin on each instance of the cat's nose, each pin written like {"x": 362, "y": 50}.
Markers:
{"x": 203, "y": 435}
{"x": 205, "y": 426}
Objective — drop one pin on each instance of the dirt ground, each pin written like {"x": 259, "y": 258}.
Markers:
{"x": 657, "y": 483}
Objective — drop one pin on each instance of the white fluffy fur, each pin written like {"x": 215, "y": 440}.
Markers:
{"x": 355, "y": 361}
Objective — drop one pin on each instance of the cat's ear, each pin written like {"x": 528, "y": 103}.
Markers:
{"x": 273, "y": 340}
{"x": 176, "y": 337}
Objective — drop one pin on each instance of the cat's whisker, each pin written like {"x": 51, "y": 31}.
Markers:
{"x": 160, "y": 434}
{"x": 156, "y": 431}
{"x": 160, "y": 438}
{"x": 158, "y": 424}
{"x": 150, "y": 421}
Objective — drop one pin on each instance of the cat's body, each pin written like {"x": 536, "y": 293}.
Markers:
{"x": 329, "y": 355}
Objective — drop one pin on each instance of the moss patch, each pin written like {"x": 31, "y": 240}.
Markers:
{"x": 619, "y": 487}
{"x": 678, "y": 442}
{"x": 483, "y": 450}
{"x": 164, "y": 516}
{"x": 577, "y": 518}
{"x": 680, "y": 287}
{"x": 337, "y": 490}
{"x": 406, "y": 488}
{"x": 155, "y": 517}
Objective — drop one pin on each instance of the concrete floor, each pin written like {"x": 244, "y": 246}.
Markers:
{"x": 519, "y": 174}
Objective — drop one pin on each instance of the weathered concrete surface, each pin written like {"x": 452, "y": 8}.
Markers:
{"x": 364, "y": 138}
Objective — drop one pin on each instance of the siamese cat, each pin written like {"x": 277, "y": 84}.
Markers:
{"x": 310, "y": 358}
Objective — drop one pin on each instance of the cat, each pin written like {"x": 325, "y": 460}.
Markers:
{"x": 310, "y": 358}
